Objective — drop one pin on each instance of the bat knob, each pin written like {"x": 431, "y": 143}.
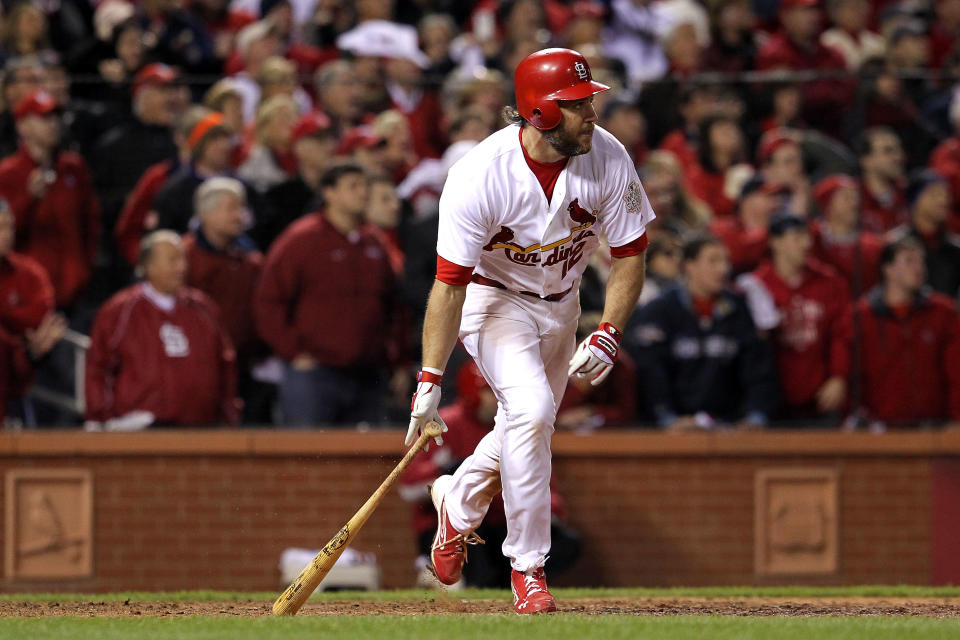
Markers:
{"x": 433, "y": 429}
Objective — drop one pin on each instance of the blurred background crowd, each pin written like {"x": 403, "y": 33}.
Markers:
{"x": 224, "y": 212}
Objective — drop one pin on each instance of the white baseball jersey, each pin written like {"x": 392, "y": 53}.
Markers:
{"x": 495, "y": 218}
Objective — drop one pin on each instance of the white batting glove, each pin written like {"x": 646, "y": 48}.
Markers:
{"x": 595, "y": 356}
{"x": 423, "y": 407}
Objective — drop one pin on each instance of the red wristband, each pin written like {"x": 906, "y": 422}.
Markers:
{"x": 611, "y": 330}
{"x": 426, "y": 376}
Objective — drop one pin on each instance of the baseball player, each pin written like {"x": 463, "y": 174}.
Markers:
{"x": 520, "y": 215}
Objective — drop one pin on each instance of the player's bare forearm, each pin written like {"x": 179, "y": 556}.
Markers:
{"x": 623, "y": 289}
{"x": 441, "y": 326}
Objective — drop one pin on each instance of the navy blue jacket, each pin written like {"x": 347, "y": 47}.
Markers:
{"x": 686, "y": 365}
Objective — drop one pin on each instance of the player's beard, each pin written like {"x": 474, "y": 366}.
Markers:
{"x": 566, "y": 143}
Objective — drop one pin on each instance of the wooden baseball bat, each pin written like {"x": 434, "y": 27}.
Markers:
{"x": 300, "y": 589}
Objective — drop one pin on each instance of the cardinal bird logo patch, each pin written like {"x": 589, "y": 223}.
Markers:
{"x": 504, "y": 236}
{"x": 579, "y": 214}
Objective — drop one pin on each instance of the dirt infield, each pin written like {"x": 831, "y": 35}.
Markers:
{"x": 927, "y": 607}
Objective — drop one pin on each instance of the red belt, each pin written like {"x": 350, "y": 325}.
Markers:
{"x": 488, "y": 282}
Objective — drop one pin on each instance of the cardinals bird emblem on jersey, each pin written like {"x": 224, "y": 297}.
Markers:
{"x": 633, "y": 198}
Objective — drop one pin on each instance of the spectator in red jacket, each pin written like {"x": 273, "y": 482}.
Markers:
{"x": 802, "y": 303}
{"x": 51, "y": 194}
{"x": 470, "y": 418}
{"x": 797, "y": 47}
{"x": 325, "y": 298}
{"x": 159, "y": 353}
{"x": 720, "y": 149}
{"x": 837, "y": 238}
{"x": 745, "y": 234}
{"x": 223, "y": 263}
{"x": 29, "y": 327}
{"x": 909, "y": 357}
{"x": 882, "y": 180}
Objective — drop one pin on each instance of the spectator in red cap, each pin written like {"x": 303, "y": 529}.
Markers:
{"x": 159, "y": 354}
{"x": 126, "y": 151}
{"x": 780, "y": 157}
{"x": 908, "y": 371}
{"x": 837, "y": 238}
{"x": 51, "y": 194}
{"x": 802, "y": 303}
{"x": 224, "y": 263}
{"x": 324, "y": 269}
{"x": 882, "y": 181}
{"x": 745, "y": 234}
{"x": 470, "y": 418}
{"x": 314, "y": 147}
{"x": 138, "y": 216}
{"x": 928, "y": 201}
{"x": 797, "y": 47}
{"x": 29, "y": 327}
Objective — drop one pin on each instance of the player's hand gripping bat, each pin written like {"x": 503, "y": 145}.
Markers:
{"x": 300, "y": 589}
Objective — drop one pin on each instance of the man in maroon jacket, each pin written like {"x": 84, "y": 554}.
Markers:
{"x": 325, "y": 305}
{"x": 224, "y": 264}
{"x": 159, "y": 353}
{"x": 909, "y": 359}
{"x": 51, "y": 193}
{"x": 806, "y": 301}
{"x": 29, "y": 327}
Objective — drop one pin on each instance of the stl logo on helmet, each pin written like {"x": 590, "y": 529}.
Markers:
{"x": 581, "y": 70}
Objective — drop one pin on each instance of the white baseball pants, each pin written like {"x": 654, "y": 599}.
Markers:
{"x": 522, "y": 346}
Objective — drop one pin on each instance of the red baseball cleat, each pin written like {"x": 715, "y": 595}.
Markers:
{"x": 530, "y": 594}
{"x": 449, "y": 551}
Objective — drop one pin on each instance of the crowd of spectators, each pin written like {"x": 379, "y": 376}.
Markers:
{"x": 237, "y": 201}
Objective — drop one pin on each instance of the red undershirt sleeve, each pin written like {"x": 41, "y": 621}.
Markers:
{"x": 633, "y": 248}
{"x": 452, "y": 273}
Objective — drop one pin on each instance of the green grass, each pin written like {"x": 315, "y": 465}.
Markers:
{"x": 557, "y": 627}
{"x": 895, "y": 591}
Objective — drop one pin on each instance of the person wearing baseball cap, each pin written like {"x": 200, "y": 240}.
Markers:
{"x": 780, "y": 157}
{"x": 51, "y": 194}
{"x": 837, "y": 238}
{"x": 808, "y": 301}
{"x": 314, "y": 146}
{"x": 128, "y": 149}
{"x": 797, "y": 47}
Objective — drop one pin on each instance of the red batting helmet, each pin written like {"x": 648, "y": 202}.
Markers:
{"x": 549, "y": 75}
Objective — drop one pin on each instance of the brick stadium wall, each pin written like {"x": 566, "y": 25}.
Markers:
{"x": 188, "y": 510}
